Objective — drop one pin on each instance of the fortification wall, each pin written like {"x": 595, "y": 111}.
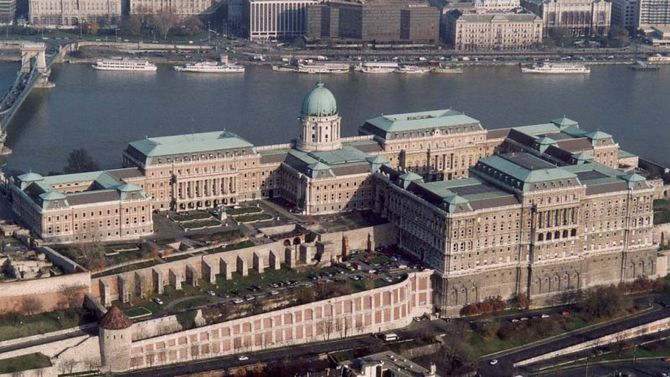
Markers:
{"x": 375, "y": 310}
{"x": 47, "y": 292}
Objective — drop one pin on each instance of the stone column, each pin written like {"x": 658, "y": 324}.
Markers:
{"x": 258, "y": 263}
{"x": 104, "y": 293}
{"x": 289, "y": 257}
{"x": 225, "y": 270}
{"x": 124, "y": 288}
{"x": 175, "y": 279}
{"x": 208, "y": 272}
{"x": 242, "y": 266}
{"x": 140, "y": 285}
{"x": 158, "y": 280}
{"x": 192, "y": 275}
{"x": 275, "y": 262}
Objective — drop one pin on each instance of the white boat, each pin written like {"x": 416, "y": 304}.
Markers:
{"x": 658, "y": 59}
{"x": 210, "y": 67}
{"x": 377, "y": 67}
{"x": 412, "y": 69}
{"x": 556, "y": 68}
{"x": 124, "y": 65}
{"x": 323, "y": 68}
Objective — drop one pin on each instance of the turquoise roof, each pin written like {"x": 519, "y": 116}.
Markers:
{"x": 525, "y": 174}
{"x": 411, "y": 176}
{"x": 625, "y": 154}
{"x": 129, "y": 187}
{"x": 544, "y": 140}
{"x": 538, "y": 129}
{"x": 564, "y": 122}
{"x": 30, "y": 177}
{"x": 598, "y": 135}
{"x": 52, "y": 195}
{"x": 423, "y": 120}
{"x": 189, "y": 143}
{"x": 319, "y": 102}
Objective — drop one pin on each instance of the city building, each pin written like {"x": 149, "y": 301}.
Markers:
{"x": 72, "y": 12}
{"x": 496, "y": 5}
{"x": 625, "y": 14}
{"x": 579, "y": 17}
{"x": 659, "y": 35}
{"x": 274, "y": 19}
{"x": 378, "y": 20}
{"x": 540, "y": 210}
{"x": 534, "y": 219}
{"x": 476, "y": 31}
{"x": 385, "y": 364}
{"x": 7, "y": 11}
{"x": 653, "y": 13}
{"x": 85, "y": 207}
{"x": 180, "y": 8}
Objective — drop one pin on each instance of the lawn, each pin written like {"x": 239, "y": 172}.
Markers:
{"x": 190, "y": 216}
{"x": 130, "y": 267}
{"x": 17, "y": 326}
{"x": 486, "y": 345}
{"x": 200, "y": 224}
{"x": 25, "y": 362}
{"x": 232, "y": 246}
{"x": 243, "y": 210}
{"x": 224, "y": 236}
{"x": 252, "y": 217}
{"x": 192, "y": 303}
{"x": 137, "y": 312}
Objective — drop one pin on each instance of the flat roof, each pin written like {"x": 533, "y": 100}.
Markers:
{"x": 423, "y": 120}
{"x": 189, "y": 143}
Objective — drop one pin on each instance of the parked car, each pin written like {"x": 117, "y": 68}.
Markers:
{"x": 493, "y": 362}
{"x": 243, "y": 358}
{"x": 158, "y": 301}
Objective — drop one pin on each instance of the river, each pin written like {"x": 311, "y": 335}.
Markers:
{"x": 103, "y": 111}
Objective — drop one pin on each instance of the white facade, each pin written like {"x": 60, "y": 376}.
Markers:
{"x": 73, "y": 12}
{"x": 580, "y": 17}
{"x": 494, "y": 31}
{"x": 653, "y": 12}
{"x": 271, "y": 19}
{"x": 182, "y": 8}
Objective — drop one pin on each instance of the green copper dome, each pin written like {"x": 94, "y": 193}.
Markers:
{"x": 319, "y": 102}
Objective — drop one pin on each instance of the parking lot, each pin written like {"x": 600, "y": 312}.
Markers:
{"x": 361, "y": 271}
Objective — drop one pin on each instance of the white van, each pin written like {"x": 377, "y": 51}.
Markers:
{"x": 389, "y": 337}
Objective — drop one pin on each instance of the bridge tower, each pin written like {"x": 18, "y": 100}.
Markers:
{"x": 33, "y": 55}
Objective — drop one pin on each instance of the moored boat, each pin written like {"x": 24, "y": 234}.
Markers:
{"x": 124, "y": 65}
{"x": 447, "y": 70}
{"x": 325, "y": 68}
{"x": 377, "y": 67}
{"x": 412, "y": 69}
{"x": 556, "y": 68}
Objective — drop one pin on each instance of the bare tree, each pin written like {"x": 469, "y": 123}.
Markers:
{"x": 31, "y": 305}
{"x": 163, "y": 21}
{"x": 67, "y": 366}
{"x": 71, "y": 297}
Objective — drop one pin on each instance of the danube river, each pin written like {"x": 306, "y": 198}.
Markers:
{"x": 103, "y": 111}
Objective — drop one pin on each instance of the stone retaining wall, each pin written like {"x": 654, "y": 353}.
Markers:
{"x": 376, "y": 310}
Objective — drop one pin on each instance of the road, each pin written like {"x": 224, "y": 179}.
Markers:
{"x": 639, "y": 368}
{"x": 304, "y": 352}
{"x": 90, "y": 329}
{"x": 504, "y": 367}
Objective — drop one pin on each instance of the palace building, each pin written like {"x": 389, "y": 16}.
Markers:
{"x": 541, "y": 210}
